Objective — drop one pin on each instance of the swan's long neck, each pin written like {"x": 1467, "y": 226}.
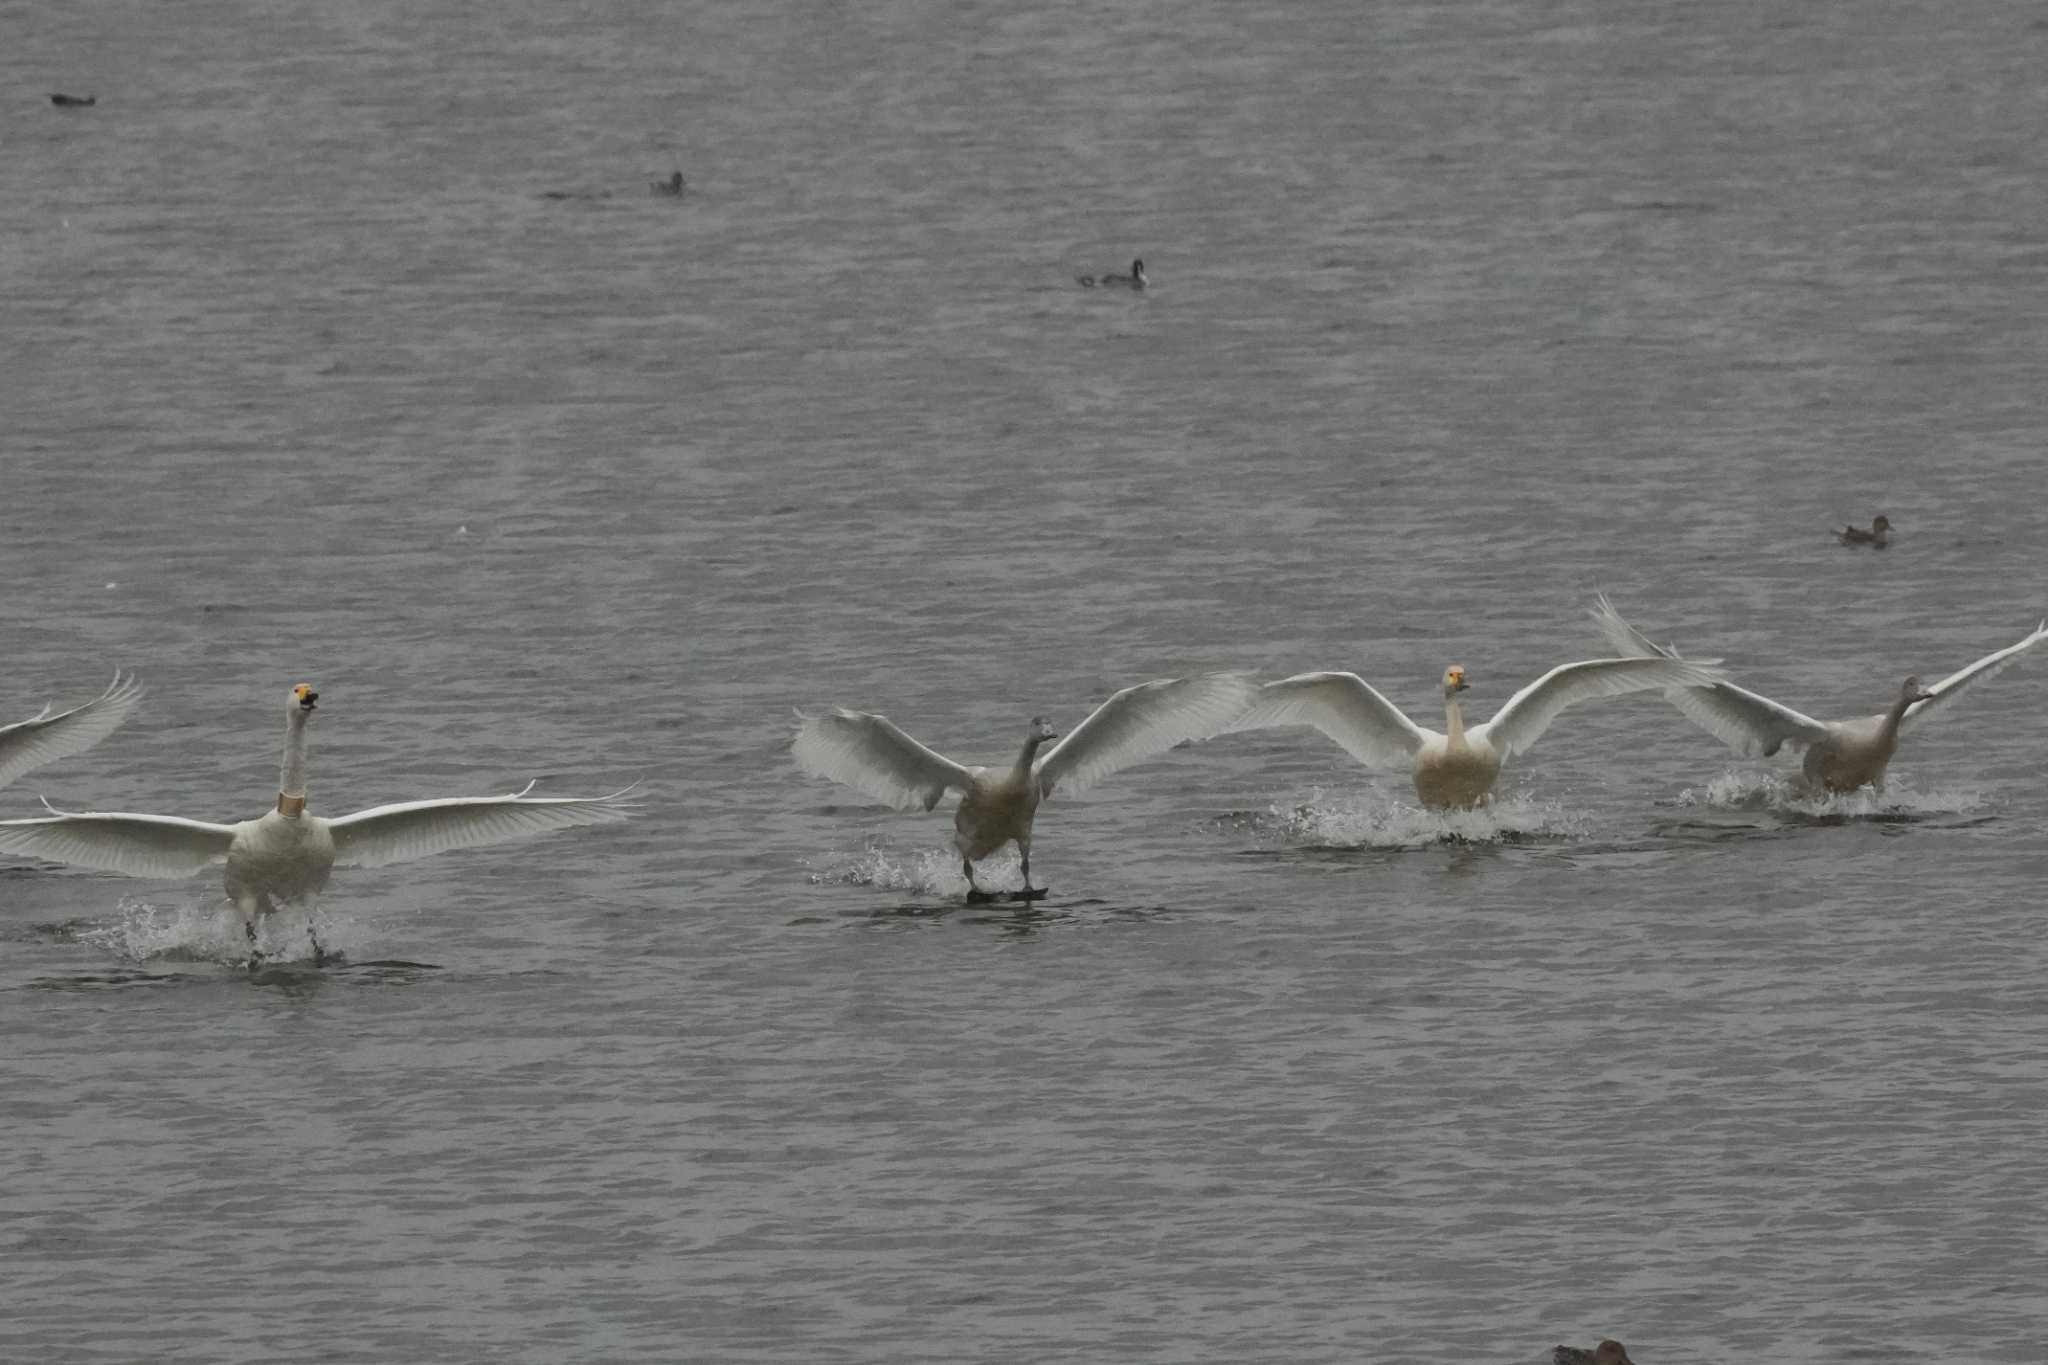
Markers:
{"x": 1888, "y": 733}
{"x": 1025, "y": 758}
{"x": 291, "y": 781}
{"x": 1454, "y": 720}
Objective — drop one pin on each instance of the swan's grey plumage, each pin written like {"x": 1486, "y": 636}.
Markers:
{"x": 285, "y": 853}
{"x": 44, "y": 738}
{"x": 1840, "y": 755}
{"x": 997, "y": 805}
{"x": 1458, "y": 768}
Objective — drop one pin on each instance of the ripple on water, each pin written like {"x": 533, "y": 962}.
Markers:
{"x": 1773, "y": 794}
{"x": 208, "y": 931}
{"x": 1373, "y": 822}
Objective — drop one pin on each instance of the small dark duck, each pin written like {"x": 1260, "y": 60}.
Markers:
{"x": 1135, "y": 280}
{"x": 1877, "y": 537}
{"x": 1606, "y": 1353}
{"x": 74, "y": 101}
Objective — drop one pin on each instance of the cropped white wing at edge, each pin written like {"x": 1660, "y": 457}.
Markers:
{"x": 1530, "y": 711}
{"x": 112, "y": 841}
{"x": 1990, "y": 666}
{"x": 43, "y": 738}
{"x": 1141, "y": 721}
{"x": 1345, "y": 707}
{"x": 415, "y": 829}
{"x": 871, "y": 755}
{"x": 1744, "y": 721}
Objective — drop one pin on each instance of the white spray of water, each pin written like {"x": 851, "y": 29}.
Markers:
{"x": 1369, "y": 822}
{"x": 211, "y": 931}
{"x": 1754, "y": 791}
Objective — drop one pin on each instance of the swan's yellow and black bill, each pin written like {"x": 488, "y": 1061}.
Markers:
{"x": 306, "y": 695}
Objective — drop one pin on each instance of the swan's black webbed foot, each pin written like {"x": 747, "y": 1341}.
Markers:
{"x": 977, "y": 896}
{"x": 1031, "y": 893}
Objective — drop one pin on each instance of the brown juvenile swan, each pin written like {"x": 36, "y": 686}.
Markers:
{"x": 1609, "y": 1352}
{"x": 997, "y": 805}
{"x": 1457, "y": 770}
{"x": 1841, "y": 755}
{"x": 43, "y": 738}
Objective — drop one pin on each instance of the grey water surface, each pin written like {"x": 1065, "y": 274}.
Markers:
{"x": 346, "y": 343}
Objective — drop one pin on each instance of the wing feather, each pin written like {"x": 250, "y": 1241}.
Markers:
{"x": 1347, "y": 709}
{"x": 416, "y": 829}
{"x": 871, "y": 755}
{"x": 1990, "y": 666}
{"x": 1741, "y": 719}
{"x": 1141, "y": 721}
{"x": 44, "y": 738}
{"x": 1530, "y": 711}
{"x": 133, "y": 845}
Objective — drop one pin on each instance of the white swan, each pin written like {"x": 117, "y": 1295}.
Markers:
{"x": 1457, "y": 770}
{"x": 285, "y": 854}
{"x": 1841, "y": 755}
{"x": 997, "y": 805}
{"x": 43, "y": 738}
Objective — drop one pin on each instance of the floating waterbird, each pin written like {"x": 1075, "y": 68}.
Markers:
{"x": 997, "y": 805}
{"x": 1609, "y": 1352}
{"x": 1454, "y": 771}
{"x": 1135, "y": 280}
{"x": 1841, "y": 755}
{"x": 285, "y": 854}
{"x": 43, "y": 738}
{"x": 1877, "y": 537}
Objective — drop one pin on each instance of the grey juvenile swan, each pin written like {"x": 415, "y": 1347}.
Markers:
{"x": 1457, "y": 770}
{"x": 1841, "y": 755}
{"x": 285, "y": 854}
{"x": 997, "y": 804}
{"x": 1609, "y": 1352}
{"x": 43, "y": 738}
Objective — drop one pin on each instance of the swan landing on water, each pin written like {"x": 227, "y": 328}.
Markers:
{"x": 43, "y": 738}
{"x": 1841, "y": 755}
{"x": 285, "y": 854}
{"x": 1457, "y": 770}
{"x": 997, "y": 805}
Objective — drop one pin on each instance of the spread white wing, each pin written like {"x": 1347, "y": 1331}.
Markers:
{"x": 1745, "y": 722}
{"x": 415, "y": 829}
{"x": 44, "y": 738}
{"x": 1991, "y": 665}
{"x": 1347, "y": 709}
{"x": 1530, "y": 711}
{"x": 871, "y": 755}
{"x": 133, "y": 845}
{"x": 1141, "y": 721}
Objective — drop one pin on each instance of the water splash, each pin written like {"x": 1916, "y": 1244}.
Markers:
{"x": 1369, "y": 822}
{"x": 210, "y": 931}
{"x": 933, "y": 872}
{"x": 1753, "y": 791}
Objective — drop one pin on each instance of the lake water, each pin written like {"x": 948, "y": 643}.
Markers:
{"x": 347, "y": 344}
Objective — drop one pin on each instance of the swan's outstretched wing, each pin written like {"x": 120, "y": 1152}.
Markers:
{"x": 869, "y": 754}
{"x": 1141, "y": 721}
{"x": 44, "y": 738}
{"x": 133, "y": 845}
{"x": 1530, "y": 711}
{"x": 1989, "y": 666}
{"x": 1343, "y": 706}
{"x": 414, "y": 829}
{"x": 1745, "y": 722}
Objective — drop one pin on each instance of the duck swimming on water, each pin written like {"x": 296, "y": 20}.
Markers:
{"x": 1609, "y": 1352}
{"x": 997, "y": 805}
{"x": 1135, "y": 280}
{"x": 672, "y": 187}
{"x": 1877, "y": 537}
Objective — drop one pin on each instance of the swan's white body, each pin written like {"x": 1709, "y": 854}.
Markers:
{"x": 285, "y": 854}
{"x": 1456, "y": 769}
{"x": 1841, "y": 755}
{"x": 998, "y": 805}
{"x": 43, "y": 738}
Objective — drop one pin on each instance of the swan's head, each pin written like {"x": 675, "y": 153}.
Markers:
{"x": 1912, "y": 691}
{"x": 1883, "y": 523}
{"x": 1611, "y": 1352}
{"x": 303, "y": 697}
{"x": 1454, "y": 681}
{"x": 1041, "y": 730}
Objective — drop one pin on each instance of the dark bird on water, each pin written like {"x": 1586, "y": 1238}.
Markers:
{"x": 74, "y": 101}
{"x": 1135, "y": 280}
{"x": 1877, "y": 537}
